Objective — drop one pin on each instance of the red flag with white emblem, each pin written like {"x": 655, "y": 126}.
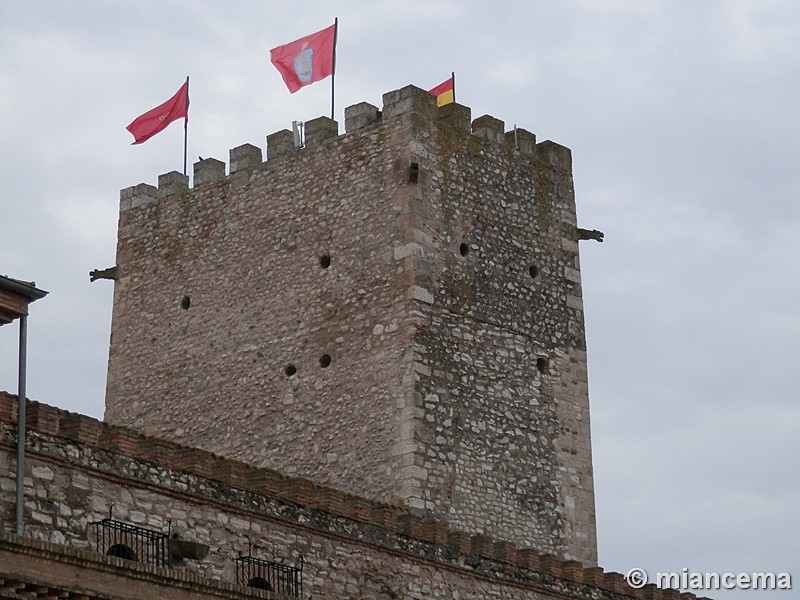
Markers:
{"x": 306, "y": 60}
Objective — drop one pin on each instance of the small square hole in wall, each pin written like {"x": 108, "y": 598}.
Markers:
{"x": 542, "y": 365}
{"x": 413, "y": 173}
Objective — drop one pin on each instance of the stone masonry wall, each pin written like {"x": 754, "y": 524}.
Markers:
{"x": 32, "y": 569}
{"x": 79, "y": 470}
{"x": 395, "y": 312}
{"x": 501, "y": 369}
{"x": 243, "y": 369}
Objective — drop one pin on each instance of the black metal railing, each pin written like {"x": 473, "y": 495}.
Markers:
{"x": 131, "y": 542}
{"x": 266, "y": 575}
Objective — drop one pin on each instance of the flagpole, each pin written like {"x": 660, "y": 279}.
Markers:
{"x": 333, "y": 72}
{"x": 453, "y": 75}
{"x": 186, "y": 127}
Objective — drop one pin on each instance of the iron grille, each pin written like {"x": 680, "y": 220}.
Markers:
{"x": 265, "y": 575}
{"x": 123, "y": 540}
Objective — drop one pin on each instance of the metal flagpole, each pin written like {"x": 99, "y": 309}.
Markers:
{"x": 453, "y": 75}
{"x": 21, "y": 406}
{"x": 186, "y": 127}
{"x": 333, "y": 71}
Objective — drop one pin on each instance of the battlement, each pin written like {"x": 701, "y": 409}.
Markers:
{"x": 64, "y": 443}
{"x": 395, "y": 312}
{"x": 360, "y": 117}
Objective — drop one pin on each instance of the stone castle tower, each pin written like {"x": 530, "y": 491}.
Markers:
{"x": 395, "y": 312}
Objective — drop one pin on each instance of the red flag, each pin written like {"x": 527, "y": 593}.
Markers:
{"x": 157, "y": 119}
{"x": 306, "y": 60}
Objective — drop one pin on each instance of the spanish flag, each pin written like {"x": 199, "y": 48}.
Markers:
{"x": 445, "y": 92}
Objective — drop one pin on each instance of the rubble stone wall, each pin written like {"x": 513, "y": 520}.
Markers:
{"x": 80, "y": 471}
{"x": 395, "y": 312}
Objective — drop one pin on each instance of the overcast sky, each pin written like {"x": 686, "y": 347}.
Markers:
{"x": 682, "y": 117}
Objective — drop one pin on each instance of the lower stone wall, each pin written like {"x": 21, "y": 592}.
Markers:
{"x": 80, "y": 471}
{"x": 34, "y": 569}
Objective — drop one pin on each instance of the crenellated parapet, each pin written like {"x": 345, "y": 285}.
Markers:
{"x": 359, "y": 118}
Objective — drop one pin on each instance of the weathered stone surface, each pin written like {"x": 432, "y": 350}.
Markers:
{"x": 209, "y": 170}
{"x": 245, "y": 158}
{"x": 351, "y": 547}
{"x": 361, "y": 115}
{"x": 401, "y": 338}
